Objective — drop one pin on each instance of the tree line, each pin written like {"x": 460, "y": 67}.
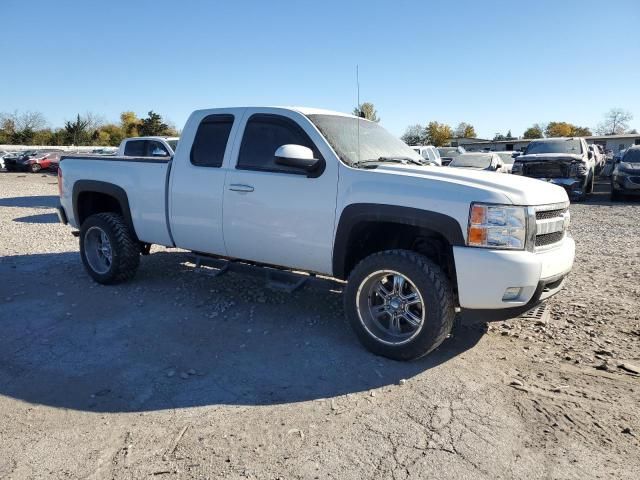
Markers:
{"x": 30, "y": 128}
{"x": 615, "y": 122}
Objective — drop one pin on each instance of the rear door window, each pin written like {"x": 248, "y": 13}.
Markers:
{"x": 211, "y": 140}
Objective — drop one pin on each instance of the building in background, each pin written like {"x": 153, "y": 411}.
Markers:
{"x": 614, "y": 143}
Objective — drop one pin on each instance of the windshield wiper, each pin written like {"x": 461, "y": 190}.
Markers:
{"x": 403, "y": 160}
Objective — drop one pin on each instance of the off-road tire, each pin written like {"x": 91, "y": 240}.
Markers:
{"x": 435, "y": 288}
{"x": 124, "y": 247}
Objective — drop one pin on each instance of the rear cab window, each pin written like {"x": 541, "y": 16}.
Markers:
{"x": 211, "y": 141}
{"x": 135, "y": 148}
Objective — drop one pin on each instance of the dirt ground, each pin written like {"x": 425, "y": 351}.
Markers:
{"x": 179, "y": 375}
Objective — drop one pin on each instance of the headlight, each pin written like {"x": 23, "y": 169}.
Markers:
{"x": 517, "y": 168}
{"x": 497, "y": 226}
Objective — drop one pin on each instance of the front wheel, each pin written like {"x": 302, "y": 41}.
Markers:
{"x": 400, "y": 304}
{"x": 35, "y": 167}
{"x": 108, "y": 248}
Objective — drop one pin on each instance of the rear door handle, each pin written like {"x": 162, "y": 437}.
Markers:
{"x": 238, "y": 187}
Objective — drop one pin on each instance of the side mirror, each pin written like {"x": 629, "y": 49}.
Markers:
{"x": 297, "y": 156}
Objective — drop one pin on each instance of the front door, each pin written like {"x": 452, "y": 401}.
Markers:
{"x": 275, "y": 214}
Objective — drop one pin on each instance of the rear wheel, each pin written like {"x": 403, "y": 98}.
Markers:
{"x": 35, "y": 167}
{"x": 400, "y": 304}
{"x": 108, "y": 249}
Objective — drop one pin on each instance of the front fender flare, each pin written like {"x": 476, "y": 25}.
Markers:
{"x": 357, "y": 213}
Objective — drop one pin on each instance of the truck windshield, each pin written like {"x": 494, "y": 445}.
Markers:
{"x": 632, "y": 156}
{"x": 471, "y": 160}
{"x": 173, "y": 144}
{"x": 564, "y": 145}
{"x": 375, "y": 142}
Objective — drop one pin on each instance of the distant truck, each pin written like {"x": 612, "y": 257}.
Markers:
{"x": 148, "y": 147}
{"x": 567, "y": 162}
{"x": 298, "y": 189}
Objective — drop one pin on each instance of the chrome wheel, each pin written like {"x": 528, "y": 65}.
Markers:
{"x": 98, "y": 250}
{"x": 390, "y": 307}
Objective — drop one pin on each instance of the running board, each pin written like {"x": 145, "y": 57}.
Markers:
{"x": 275, "y": 279}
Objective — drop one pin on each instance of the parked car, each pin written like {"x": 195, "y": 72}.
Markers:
{"x": 625, "y": 178}
{"x": 34, "y": 160}
{"x": 429, "y": 153}
{"x": 287, "y": 189}
{"x": 507, "y": 160}
{"x": 598, "y": 157}
{"x": 104, "y": 151}
{"x": 449, "y": 153}
{"x": 567, "y": 162}
{"x": 148, "y": 147}
{"x": 3, "y": 153}
{"x": 611, "y": 161}
{"x": 489, "y": 161}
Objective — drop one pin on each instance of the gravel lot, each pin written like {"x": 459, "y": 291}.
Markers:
{"x": 179, "y": 375}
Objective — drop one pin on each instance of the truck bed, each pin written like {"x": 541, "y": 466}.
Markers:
{"x": 143, "y": 179}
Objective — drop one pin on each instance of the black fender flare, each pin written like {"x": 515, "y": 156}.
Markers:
{"x": 115, "y": 191}
{"x": 357, "y": 213}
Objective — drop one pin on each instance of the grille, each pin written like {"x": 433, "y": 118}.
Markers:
{"x": 546, "y": 214}
{"x": 544, "y": 170}
{"x": 548, "y": 239}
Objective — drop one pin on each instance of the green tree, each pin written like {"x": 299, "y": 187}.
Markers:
{"x": 366, "y": 110}
{"x": 110, "y": 134}
{"x": 413, "y": 135}
{"x": 509, "y": 136}
{"x": 438, "y": 134}
{"x": 129, "y": 123}
{"x": 535, "y": 131}
{"x": 465, "y": 130}
{"x": 558, "y": 129}
{"x": 152, "y": 125}
{"x": 580, "y": 131}
{"x": 77, "y": 131}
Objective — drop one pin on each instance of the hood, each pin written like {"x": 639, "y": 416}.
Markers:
{"x": 520, "y": 190}
{"x": 635, "y": 167}
{"x": 563, "y": 157}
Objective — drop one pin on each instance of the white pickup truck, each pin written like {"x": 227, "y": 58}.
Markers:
{"x": 331, "y": 194}
{"x": 148, "y": 147}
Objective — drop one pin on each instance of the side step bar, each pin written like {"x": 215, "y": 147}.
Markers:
{"x": 276, "y": 279}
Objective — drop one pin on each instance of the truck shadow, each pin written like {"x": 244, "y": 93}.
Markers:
{"x": 173, "y": 338}
{"x": 37, "y": 201}
{"x": 40, "y": 218}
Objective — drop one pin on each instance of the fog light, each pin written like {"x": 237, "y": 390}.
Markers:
{"x": 511, "y": 293}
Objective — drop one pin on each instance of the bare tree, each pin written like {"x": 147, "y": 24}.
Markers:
{"x": 616, "y": 122}
{"x": 30, "y": 121}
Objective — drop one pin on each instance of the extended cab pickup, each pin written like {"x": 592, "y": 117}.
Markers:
{"x": 331, "y": 194}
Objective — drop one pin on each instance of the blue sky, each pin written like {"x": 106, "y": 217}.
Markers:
{"x": 497, "y": 64}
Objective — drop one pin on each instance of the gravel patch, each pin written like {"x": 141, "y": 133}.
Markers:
{"x": 179, "y": 375}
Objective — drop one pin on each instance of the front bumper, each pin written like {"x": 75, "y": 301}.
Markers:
{"x": 630, "y": 184}
{"x": 572, "y": 185}
{"x": 484, "y": 275}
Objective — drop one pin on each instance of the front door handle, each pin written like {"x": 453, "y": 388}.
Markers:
{"x": 238, "y": 187}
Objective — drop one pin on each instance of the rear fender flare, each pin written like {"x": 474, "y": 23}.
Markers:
{"x": 89, "y": 186}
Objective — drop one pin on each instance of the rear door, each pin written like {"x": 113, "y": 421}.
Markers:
{"x": 275, "y": 214}
{"x": 197, "y": 180}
